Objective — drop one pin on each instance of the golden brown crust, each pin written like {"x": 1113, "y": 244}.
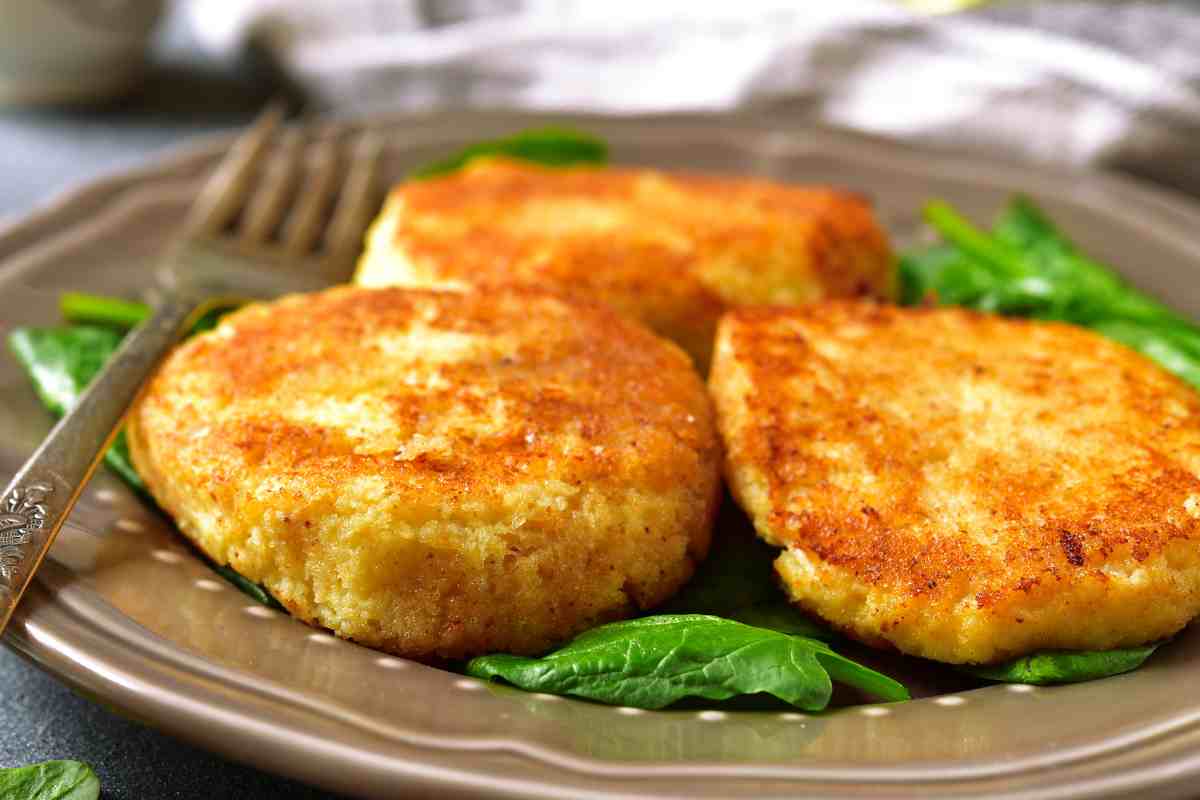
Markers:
{"x": 437, "y": 473}
{"x": 964, "y": 486}
{"x": 673, "y": 251}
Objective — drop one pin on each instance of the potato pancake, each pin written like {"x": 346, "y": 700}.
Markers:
{"x": 960, "y": 486}
{"x": 437, "y": 474}
{"x": 673, "y": 251}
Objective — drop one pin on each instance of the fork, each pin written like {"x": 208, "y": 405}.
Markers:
{"x": 251, "y": 233}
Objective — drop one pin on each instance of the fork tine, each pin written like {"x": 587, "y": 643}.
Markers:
{"x": 223, "y": 194}
{"x": 304, "y": 227}
{"x": 357, "y": 203}
{"x": 269, "y": 203}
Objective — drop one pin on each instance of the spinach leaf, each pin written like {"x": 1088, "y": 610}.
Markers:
{"x": 1176, "y": 348}
{"x": 247, "y": 586}
{"x": 50, "y": 780}
{"x": 61, "y": 362}
{"x": 1064, "y": 666}
{"x": 555, "y": 147}
{"x": 124, "y": 315}
{"x": 737, "y": 581}
{"x": 1088, "y": 290}
{"x": 782, "y": 617}
{"x": 652, "y": 662}
{"x": 1027, "y": 267}
{"x": 942, "y": 274}
{"x": 91, "y": 309}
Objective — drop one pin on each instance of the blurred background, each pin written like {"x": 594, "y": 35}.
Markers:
{"x": 88, "y": 87}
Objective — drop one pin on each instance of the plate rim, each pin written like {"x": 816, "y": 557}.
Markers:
{"x": 1175, "y": 215}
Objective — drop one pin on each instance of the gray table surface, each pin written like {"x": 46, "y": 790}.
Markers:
{"x": 41, "y": 154}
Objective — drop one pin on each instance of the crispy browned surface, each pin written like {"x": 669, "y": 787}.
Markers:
{"x": 964, "y": 487}
{"x": 673, "y": 251}
{"x": 437, "y": 473}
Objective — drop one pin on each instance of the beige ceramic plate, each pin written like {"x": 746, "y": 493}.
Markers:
{"x": 126, "y": 613}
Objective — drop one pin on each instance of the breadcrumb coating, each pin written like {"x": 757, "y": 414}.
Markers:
{"x": 673, "y": 251}
{"x": 437, "y": 474}
{"x": 960, "y": 486}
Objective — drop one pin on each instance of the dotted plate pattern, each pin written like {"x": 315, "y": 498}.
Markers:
{"x": 127, "y": 612}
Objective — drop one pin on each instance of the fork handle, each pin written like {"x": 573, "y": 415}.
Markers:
{"x": 38, "y": 500}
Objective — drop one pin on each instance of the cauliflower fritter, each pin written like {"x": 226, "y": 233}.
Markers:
{"x": 674, "y": 251}
{"x": 964, "y": 487}
{"x": 437, "y": 474}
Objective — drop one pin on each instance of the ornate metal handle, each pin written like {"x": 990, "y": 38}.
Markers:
{"x": 36, "y": 504}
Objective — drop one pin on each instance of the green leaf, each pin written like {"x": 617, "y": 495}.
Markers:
{"x": 50, "y": 780}
{"x": 209, "y": 319}
{"x": 782, "y": 617}
{"x": 1064, "y": 666}
{"x": 737, "y": 581}
{"x": 1027, "y": 267}
{"x": 999, "y": 257}
{"x": 1174, "y": 347}
{"x": 554, "y": 147}
{"x": 90, "y": 309}
{"x": 247, "y": 586}
{"x": 942, "y": 274}
{"x": 737, "y": 573}
{"x": 61, "y": 362}
{"x": 1086, "y": 289}
{"x": 653, "y": 662}
{"x": 124, "y": 315}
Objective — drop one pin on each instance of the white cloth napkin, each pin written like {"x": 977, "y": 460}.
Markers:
{"x": 1111, "y": 83}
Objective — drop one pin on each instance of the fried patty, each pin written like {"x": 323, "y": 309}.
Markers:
{"x": 674, "y": 251}
{"x": 437, "y": 474}
{"x": 964, "y": 487}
